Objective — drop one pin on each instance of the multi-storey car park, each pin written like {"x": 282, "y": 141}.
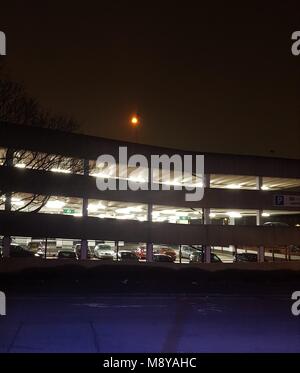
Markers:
{"x": 250, "y": 204}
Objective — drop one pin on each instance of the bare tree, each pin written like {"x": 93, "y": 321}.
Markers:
{"x": 17, "y": 107}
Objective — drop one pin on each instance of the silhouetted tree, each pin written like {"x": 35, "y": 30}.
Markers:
{"x": 18, "y": 107}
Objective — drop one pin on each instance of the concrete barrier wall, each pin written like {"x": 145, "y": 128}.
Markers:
{"x": 62, "y": 226}
{"x": 10, "y": 265}
{"x": 90, "y": 147}
{"x": 49, "y": 183}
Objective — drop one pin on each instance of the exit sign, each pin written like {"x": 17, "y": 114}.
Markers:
{"x": 69, "y": 211}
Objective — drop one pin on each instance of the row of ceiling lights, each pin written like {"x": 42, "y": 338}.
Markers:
{"x": 144, "y": 180}
{"x": 127, "y": 212}
{"x": 132, "y": 210}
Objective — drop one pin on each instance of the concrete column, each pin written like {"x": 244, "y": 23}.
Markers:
{"x": 149, "y": 245}
{"x": 261, "y": 249}
{"x": 206, "y": 220}
{"x": 85, "y": 203}
{"x": 9, "y": 161}
{"x": 261, "y": 254}
{"x": 259, "y": 184}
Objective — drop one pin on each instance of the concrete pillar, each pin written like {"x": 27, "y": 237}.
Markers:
{"x": 261, "y": 249}
{"x": 233, "y": 248}
{"x": 261, "y": 254}
{"x": 206, "y": 220}
{"x": 259, "y": 184}
{"x": 149, "y": 245}
{"x": 9, "y": 161}
{"x": 259, "y": 217}
{"x": 85, "y": 203}
{"x": 117, "y": 250}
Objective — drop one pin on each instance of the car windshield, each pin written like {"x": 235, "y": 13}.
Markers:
{"x": 104, "y": 247}
{"x": 67, "y": 254}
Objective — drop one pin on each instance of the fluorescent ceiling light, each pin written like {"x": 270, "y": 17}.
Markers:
{"x": 265, "y": 214}
{"x": 234, "y": 186}
{"x": 181, "y": 213}
{"x": 20, "y": 165}
{"x": 61, "y": 170}
{"x": 55, "y": 204}
{"x": 212, "y": 215}
{"x": 234, "y": 214}
{"x": 93, "y": 207}
{"x": 265, "y": 187}
{"x": 129, "y": 209}
{"x": 155, "y": 213}
{"x": 18, "y": 203}
{"x": 168, "y": 212}
{"x": 125, "y": 217}
{"x": 137, "y": 179}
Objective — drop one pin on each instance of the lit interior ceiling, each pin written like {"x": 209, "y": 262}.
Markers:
{"x": 132, "y": 211}
{"x": 249, "y": 182}
{"x": 141, "y": 176}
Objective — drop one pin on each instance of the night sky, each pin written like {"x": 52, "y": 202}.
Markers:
{"x": 216, "y": 77}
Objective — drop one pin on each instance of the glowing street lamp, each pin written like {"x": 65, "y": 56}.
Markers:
{"x": 135, "y": 121}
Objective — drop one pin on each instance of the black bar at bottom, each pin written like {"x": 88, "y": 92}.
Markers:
{"x": 136, "y": 362}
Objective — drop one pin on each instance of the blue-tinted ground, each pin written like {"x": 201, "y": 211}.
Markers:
{"x": 218, "y": 323}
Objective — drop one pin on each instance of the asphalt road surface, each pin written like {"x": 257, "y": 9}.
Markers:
{"x": 233, "y": 323}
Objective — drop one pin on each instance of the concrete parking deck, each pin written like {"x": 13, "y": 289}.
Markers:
{"x": 96, "y": 323}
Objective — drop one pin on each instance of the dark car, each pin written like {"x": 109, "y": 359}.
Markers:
{"x": 198, "y": 257}
{"x": 245, "y": 257}
{"x": 166, "y": 251}
{"x": 275, "y": 224}
{"x": 66, "y": 254}
{"x": 162, "y": 258}
{"x": 126, "y": 255}
{"x": 17, "y": 251}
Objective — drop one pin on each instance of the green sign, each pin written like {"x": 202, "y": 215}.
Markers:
{"x": 184, "y": 217}
{"x": 69, "y": 211}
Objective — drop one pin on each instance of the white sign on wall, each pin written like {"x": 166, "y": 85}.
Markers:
{"x": 2, "y": 304}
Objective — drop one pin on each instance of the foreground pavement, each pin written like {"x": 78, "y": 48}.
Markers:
{"x": 218, "y": 323}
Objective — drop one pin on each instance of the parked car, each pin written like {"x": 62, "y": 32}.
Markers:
{"x": 141, "y": 252}
{"x": 104, "y": 252}
{"x": 275, "y": 224}
{"x": 162, "y": 258}
{"x": 66, "y": 254}
{"x": 126, "y": 255}
{"x": 17, "y": 251}
{"x": 34, "y": 246}
{"x": 187, "y": 250}
{"x": 50, "y": 245}
{"x": 198, "y": 257}
{"x": 167, "y": 251}
{"x": 77, "y": 250}
{"x": 245, "y": 257}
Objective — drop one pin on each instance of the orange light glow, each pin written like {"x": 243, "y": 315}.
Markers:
{"x": 135, "y": 120}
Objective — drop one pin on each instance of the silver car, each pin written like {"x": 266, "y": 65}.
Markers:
{"x": 102, "y": 251}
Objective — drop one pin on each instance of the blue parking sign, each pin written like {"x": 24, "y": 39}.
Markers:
{"x": 279, "y": 200}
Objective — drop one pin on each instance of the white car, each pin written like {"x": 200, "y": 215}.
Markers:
{"x": 102, "y": 251}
